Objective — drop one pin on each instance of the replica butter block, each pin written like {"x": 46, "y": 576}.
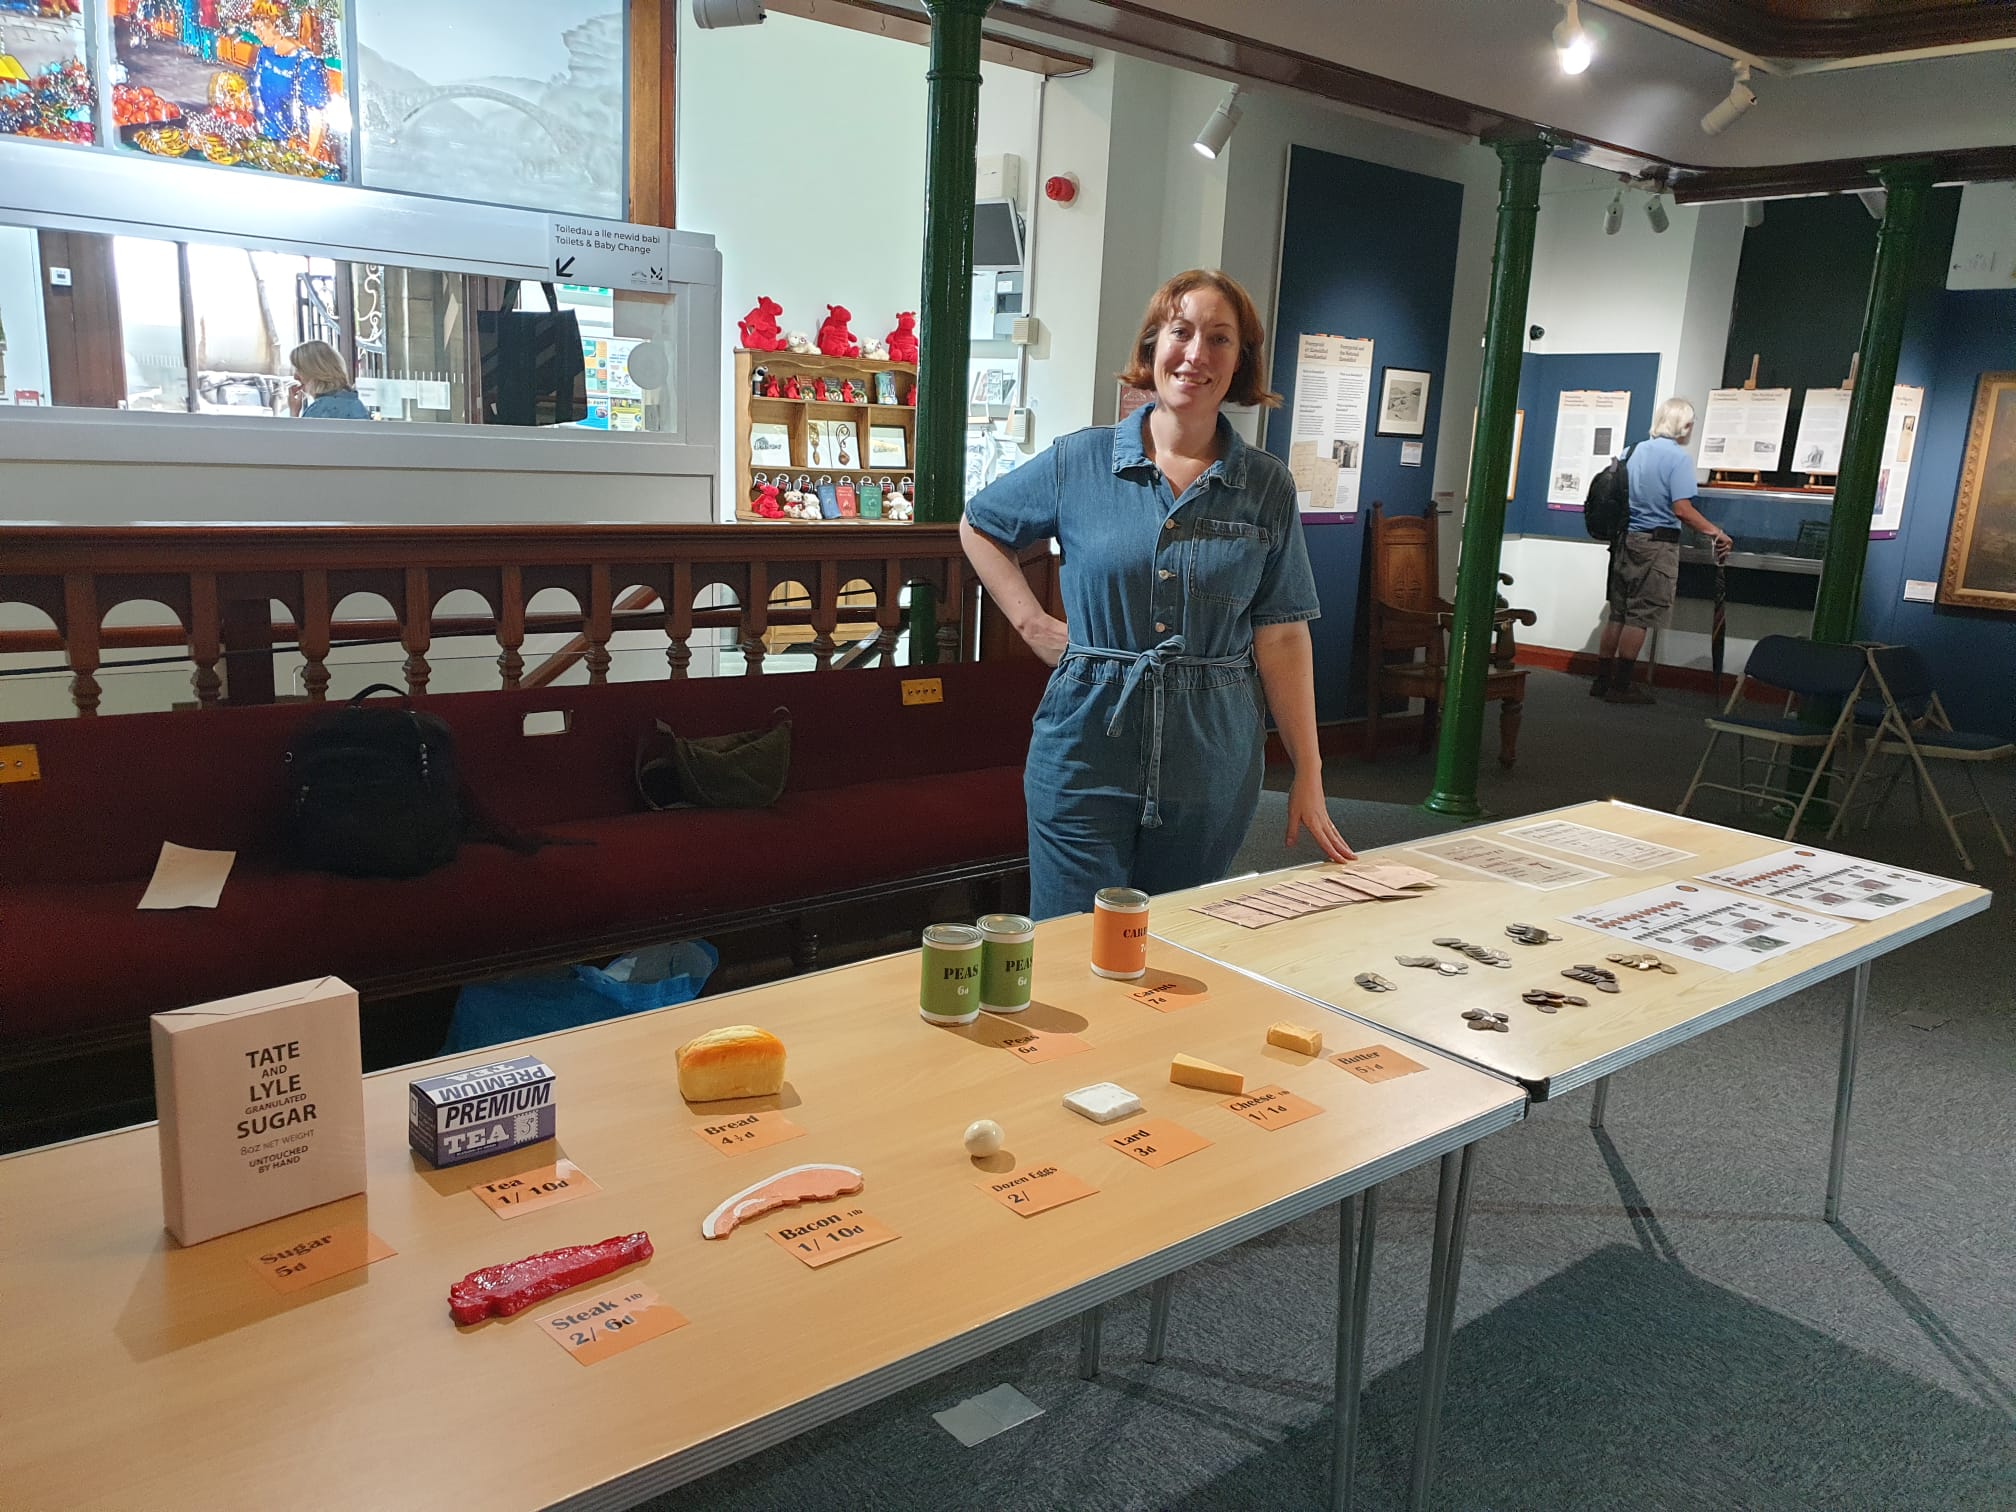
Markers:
{"x": 484, "y": 1110}
{"x": 261, "y": 1100}
{"x": 1188, "y": 1071}
{"x": 1103, "y": 1102}
{"x": 1295, "y": 1037}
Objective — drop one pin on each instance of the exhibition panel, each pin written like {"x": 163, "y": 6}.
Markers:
{"x": 321, "y": 1339}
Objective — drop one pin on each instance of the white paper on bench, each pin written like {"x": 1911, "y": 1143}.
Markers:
{"x": 185, "y": 878}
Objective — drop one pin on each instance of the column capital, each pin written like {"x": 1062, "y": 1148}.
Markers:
{"x": 961, "y": 9}
{"x": 1523, "y": 144}
{"x": 1911, "y": 173}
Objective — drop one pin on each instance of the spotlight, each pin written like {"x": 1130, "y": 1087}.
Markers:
{"x": 708, "y": 14}
{"x": 1741, "y": 98}
{"x": 1875, "y": 201}
{"x": 1655, "y": 212}
{"x": 1571, "y": 42}
{"x": 1218, "y": 130}
{"x": 1753, "y": 214}
{"x": 1613, "y": 218}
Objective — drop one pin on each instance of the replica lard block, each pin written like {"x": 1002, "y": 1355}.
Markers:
{"x": 262, "y": 1107}
{"x": 485, "y": 1110}
{"x": 1103, "y": 1102}
{"x": 1188, "y": 1071}
{"x": 1294, "y": 1037}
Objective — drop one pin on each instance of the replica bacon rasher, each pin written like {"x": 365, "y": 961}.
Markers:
{"x": 501, "y": 1290}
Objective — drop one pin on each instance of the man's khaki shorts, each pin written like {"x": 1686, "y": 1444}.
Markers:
{"x": 1643, "y": 573}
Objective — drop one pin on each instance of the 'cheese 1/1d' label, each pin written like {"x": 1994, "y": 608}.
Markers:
{"x": 485, "y": 1110}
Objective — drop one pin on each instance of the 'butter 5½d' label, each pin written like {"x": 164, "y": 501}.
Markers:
{"x": 485, "y": 1110}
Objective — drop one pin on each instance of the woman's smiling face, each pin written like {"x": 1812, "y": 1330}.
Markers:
{"x": 1197, "y": 353}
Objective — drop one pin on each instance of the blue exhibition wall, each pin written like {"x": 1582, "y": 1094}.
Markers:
{"x": 1951, "y": 339}
{"x": 1543, "y": 378}
{"x": 1366, "y": 251}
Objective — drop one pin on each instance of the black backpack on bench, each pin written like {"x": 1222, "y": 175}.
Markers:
{"x": 374, "y": 792}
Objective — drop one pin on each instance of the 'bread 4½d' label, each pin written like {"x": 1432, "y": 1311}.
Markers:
{"x": 485, "y": 1110}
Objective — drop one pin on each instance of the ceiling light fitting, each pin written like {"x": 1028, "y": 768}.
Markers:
{"x": 1218, "y": 130}
{"x": 708, "y": 14}
{"x": 1875, "y": 201}
{"x": 1741, "y": 98}
{"x": 1753, "y": 214}
{"x": 1571, "y": 43}
{"x": 1655, "y": 212}
{"x": 1613, "y": 218}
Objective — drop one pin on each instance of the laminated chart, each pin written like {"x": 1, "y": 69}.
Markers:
{"x": 1845, "y": 885}
{"x": 1626, "y": 851}
{"x": 1507, "y": 863}
{"x": 1724, "y": 930}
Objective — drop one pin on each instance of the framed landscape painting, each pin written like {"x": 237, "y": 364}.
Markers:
{"x": 1980, "y": 568}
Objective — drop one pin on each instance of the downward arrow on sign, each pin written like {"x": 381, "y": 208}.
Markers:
{"x": 562, "y": 269}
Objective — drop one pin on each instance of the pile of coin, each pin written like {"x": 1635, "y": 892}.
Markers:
{"x": 1484, "y": 1018}
{"x": 1530, "y": 934}
{"x": 1371, "y": 981}
{"x": 1642, "y": 960}
{"x": 1547, "y": 1000}
{"x": 1482, "y": 954}
{"x": 1595, "y": 976}
{"x": 1429, "y": 963}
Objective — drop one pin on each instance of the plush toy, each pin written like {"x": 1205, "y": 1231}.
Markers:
{"x": 766, "y": 502}
{"x": 819, "y": 390}
{"x": 835, "y": 340}
{"x": 759, "y": 326}
{"x": 897, "y": 509}
{"x": 903, "y": 340}
{"x": 800, "y": 506}
{"x": 770, "y": 388}
{"x": 756, "y": 381}
{"x": 848, "y": 393}
{"x": 871, "y": 348}
{"x": 791, "y": 388}
{"x": 798, "y": 341}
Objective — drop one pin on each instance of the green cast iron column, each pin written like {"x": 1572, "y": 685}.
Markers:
{"x": 1521, "y": 160}
{"x": 952, "y": 129}
{"x": 1839, "y": 596}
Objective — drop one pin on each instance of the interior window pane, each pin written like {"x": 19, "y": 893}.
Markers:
{"x": 150, "y": 317}
{"x": 45, "y": 89}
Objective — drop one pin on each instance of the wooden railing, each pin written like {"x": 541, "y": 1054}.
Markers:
{"x": 220, "y": 583}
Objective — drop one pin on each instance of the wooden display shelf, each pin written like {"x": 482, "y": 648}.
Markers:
{"x": 797, "y": 416}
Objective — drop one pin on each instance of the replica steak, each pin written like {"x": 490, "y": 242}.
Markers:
{"x": 501, "y": 1290}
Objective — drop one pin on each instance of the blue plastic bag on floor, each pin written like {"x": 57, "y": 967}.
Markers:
{"x": 491, "y": 1013}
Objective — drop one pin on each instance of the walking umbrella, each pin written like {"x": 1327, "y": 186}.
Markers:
{"x": 1719, "y": 630}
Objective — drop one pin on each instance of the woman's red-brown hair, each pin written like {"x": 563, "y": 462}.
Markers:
{"x": 1247, "y": 386}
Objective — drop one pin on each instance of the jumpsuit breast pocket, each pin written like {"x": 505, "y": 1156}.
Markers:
{"x": 1227, "y": 559}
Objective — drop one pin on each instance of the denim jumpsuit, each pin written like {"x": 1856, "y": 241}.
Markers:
{"x": 1145, "y": 761}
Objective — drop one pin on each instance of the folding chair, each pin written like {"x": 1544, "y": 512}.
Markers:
{"x": 1914, "y": 728}
{"x": 1805, "y": 670}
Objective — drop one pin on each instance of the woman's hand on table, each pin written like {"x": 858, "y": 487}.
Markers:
{"x": 1307, "y": 810}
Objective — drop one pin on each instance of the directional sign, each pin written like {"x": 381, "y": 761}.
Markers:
{"x": 609, "y": 254}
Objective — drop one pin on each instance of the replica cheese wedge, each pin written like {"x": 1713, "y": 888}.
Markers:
{"x": 805, "y": 1183}
{"x": 1188, "y": 1071}
{"x": 1103, "y": 1102}
{"x": 1294, "y": 1037}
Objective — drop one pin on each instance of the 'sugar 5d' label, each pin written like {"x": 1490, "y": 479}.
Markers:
{"x": 485, "y": 1110}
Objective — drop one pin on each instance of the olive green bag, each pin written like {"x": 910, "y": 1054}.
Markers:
{"x": 744, "y": 770}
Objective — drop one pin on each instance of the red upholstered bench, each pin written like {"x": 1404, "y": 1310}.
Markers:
{"x": 882, "y": 796}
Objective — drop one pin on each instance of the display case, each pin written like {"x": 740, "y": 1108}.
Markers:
{"x": 1780, "y": 536}
{"x": 837, "y": 440}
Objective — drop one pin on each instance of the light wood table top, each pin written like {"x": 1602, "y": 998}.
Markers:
{"x": 1319, "y": 955}
{"x": 143, "y": 1375}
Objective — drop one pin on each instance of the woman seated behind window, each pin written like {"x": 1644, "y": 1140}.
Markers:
{"x": 322, "y": 383}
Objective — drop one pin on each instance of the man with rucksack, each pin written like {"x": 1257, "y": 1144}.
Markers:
{"x": 1645, "y": 557}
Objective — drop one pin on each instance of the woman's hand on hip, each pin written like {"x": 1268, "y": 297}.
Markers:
{"x": 1306, "y": 809}
{"x": 1047, "y": 637}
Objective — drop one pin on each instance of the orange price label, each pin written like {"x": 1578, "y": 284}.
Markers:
{"x": 747, "y": 1131}
{"x": 1271, "y": 1107}
{"x": 1035, "y": 1046}
{"x": 833, "y": 1236}
{"x": 541, "y": 1187}
{"x": 1035, "y": 1189}
{"x": 1157, "y": 1142}
{"x": 308, "y": 1258}
{"x": 1376, "y": 1063}
{"x": 1168, "y": 995}
{"x": 610, "y": 1322}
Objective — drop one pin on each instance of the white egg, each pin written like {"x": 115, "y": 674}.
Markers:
{"x": 984, "y": 1138}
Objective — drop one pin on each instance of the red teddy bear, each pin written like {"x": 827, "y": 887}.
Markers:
{"x": 903, "y": 340}
{"x": 759, "y": 326}
{"x": 835, "y": 340}
{"x": 767, "y": 504}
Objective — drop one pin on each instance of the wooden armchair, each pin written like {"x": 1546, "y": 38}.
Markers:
{"x": 1408, "y": 652}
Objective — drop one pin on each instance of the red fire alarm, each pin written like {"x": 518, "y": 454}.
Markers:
{"x": 1062, "y": 187}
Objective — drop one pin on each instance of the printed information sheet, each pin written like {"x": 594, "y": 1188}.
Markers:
{"x": 1588, "y": 432}
{"x": 1326, "y": 436}
{"x": 1600, "y": 844}
{"x": 1845, "y": 885}
{"x": 1507, "y": 863}
{"x": 1743, "y": 430}
{"x": 1705, "y": 924}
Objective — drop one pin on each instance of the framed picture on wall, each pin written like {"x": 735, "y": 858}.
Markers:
{"x": 887, "y": 446}
{"x": 1980, "y": 570}
{"x": 1403, "y": 402}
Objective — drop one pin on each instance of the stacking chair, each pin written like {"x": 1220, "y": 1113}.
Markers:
{"x": 1805, "y": 671}
{"x": 1912, "y": 726}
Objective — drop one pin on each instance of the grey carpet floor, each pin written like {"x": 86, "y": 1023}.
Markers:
{"x": 1652, "y": 1316}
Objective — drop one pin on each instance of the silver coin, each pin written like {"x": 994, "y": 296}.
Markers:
{"x": 1545, "y": 1007}
{"x": 1449, "y": 942}
{"x": 1485, "y": 1023}
{"x": 1452, "y": 968}
{"x": 1415, "y": 960}
{"x": 1499, "y": 1024}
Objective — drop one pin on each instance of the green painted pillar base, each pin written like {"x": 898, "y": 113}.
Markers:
{"x": 1521, "y": 159}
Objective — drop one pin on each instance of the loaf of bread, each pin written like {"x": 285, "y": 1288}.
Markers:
{"x": 738, "y": 1061}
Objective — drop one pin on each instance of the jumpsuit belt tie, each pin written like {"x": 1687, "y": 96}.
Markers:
{"x": 1150, "y": 667}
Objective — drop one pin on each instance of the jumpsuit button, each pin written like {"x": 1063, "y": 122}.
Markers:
{"x": 1160, "y": 628}
{"x": 1165, "y": 574}
{"x": 1168, "y": 524}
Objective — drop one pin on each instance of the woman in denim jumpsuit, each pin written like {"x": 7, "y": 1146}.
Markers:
{"x": 1187, "y": 593}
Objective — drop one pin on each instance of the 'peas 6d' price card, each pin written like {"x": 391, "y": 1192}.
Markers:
{"x": 594, "y": 1328}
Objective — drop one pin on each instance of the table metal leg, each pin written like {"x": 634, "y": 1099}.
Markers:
{"x": 1089, "y": 1323}
{"x": 1354, "y": 1295}
{"x": 1158, "y": 1318}
{"x": 1601, "y": 1105}
{"x": 1844, "y": 1096}
{"x": 1452, "y": 1216}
